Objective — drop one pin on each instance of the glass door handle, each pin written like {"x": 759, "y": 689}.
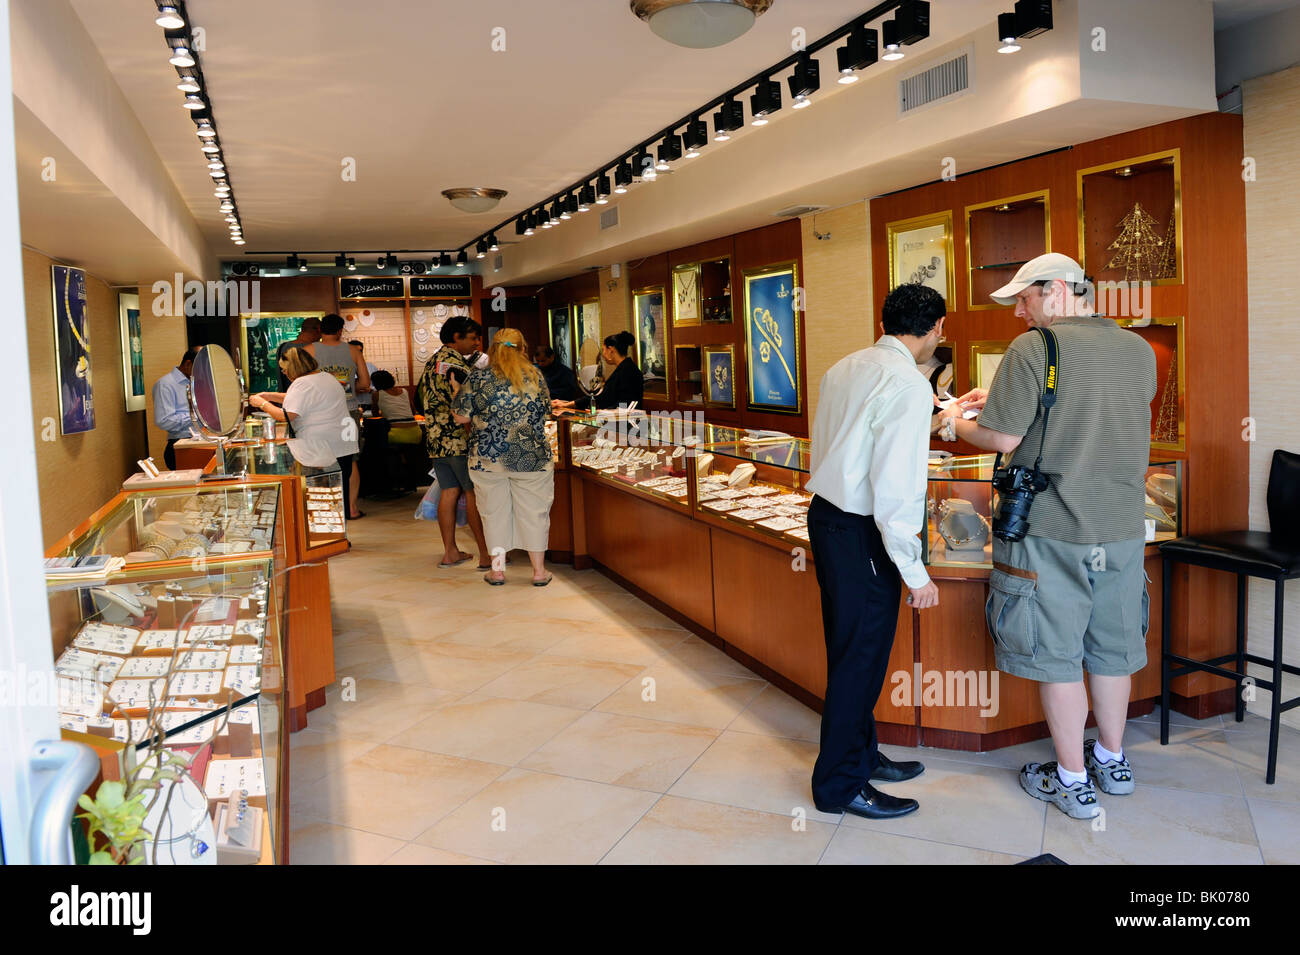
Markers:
{"x": 74, "y": 767}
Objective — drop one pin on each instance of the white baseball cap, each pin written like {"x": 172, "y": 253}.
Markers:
{"x": 1053, "y": 265}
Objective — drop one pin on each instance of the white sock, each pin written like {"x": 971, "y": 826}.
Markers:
{"x": 1104, "y": 755}
{"x": 1070, "y": 778}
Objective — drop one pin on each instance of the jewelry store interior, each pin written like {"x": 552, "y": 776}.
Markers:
{"x": 246, "y": 653}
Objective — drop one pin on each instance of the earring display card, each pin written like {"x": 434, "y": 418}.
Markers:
{"x": 226, "y": 776}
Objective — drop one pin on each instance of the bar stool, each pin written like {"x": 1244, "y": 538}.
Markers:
{"x": 1273, "y": 555}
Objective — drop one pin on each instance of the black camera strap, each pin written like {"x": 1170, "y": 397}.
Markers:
{"x": 1051, "y": 373}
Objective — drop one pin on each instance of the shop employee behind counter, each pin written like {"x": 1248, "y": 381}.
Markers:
{"x": 1071, "y": 594}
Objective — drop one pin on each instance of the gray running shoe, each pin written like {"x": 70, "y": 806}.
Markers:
{"x": 1115, "y": 777}
{"x": 1040, "y": 781}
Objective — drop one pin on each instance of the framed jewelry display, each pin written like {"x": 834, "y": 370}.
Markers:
{"x": 261, "y": 334}
{"x": 688, "y": 366}
{"x": 920, "y": 252}
{"x": 560, "y": 324}
{"x": 128, "y": 316}
{"x": 772, "y": 339}
{"x": 586, "y": 323}
{"x": 985, "y": 357}
{"x": 72, "y": 349}
{"x": 1168, "y": 417}
{"x": 686, "y": 294}
{"x": 715, "y": 292}
{"x": 719, "y": 376}
{"x": 1001, "y": 236}
{"x": 651, "y": 344}
{"x": 1131, "y": 220}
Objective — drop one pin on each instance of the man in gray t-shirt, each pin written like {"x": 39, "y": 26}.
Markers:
{"x": 1071, "y": 595}
{"x": 345, "y": 362}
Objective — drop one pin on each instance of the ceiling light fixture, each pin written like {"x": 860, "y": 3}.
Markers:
{"x": 861, "y": 49}
{"x": 586, "y": 197}
{"x": 602, "y": 189}
{"x": 238, "y": 240}
{"x": 695, "y": 137}
{"x": 1007, "y": 33}
{"x": 622, "y": 177}
{"x": 169, "y": 18}
{"x": 493, "y": 244}
{"x": 805, "y": 80}
{"x": 194, "y": 102}
{"x": 912, "y": 19}
{"x": 643, "y": 167}
{"x": 205, "y": 130}
{"x": 352, "y": 264}
{"x": 302, "y": 265}
{"x": 669, "y": 152}
{"x": 729, "y": 118}
{"x": 480, "y": 249}
{"x": 474, "y": 199}
{"x": 340, "y": 261}
{"x": 700, "y": 24}
{"x": 461, "y": 259}
{"x": 765, "y": 101}
{"x": 211, "y": 147}
{"x": 889, "y": 36}
{"x": 529, "y": 224}
{"x": 291, "y": 262}
{"x": 1032, "y": 18}
{"x": 181, "y": 56}
{"x": 188, "y": 84}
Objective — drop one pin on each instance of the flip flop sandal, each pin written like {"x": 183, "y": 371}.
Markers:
{"x": 545, "y": 581}
{"x": 457, "y": 563}
{"x": 495, "y": 583}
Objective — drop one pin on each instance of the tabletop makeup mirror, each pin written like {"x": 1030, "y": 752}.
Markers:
{"x": 217, "y": 396}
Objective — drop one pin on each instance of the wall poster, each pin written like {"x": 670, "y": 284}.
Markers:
{"x": 772, "y": 339}
{"x": 72, "y": 349}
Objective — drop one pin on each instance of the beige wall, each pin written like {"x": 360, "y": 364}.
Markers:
{"x": 837, "y": 287}
{"x": 1272, "y": 139}
{"x": 78, "y": 472}
{"x": 615, "y": 302}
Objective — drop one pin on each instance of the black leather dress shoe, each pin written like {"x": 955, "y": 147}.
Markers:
{"x": 888, "y": 771}
{"x": 871, "y": 803}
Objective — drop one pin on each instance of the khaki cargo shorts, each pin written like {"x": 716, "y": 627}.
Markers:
{"x": 1057, "y": 608}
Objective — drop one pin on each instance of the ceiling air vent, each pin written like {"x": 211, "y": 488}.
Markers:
{"x": 937, "y": 83}
{"x": 794, "y": 212}
{"x": 609, "y": 218}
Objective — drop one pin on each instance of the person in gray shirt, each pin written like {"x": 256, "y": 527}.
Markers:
{"x": 347, "y": 365}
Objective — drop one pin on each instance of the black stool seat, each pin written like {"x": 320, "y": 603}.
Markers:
{"x": 1274, "y": 555}
{"x": 1254, "y": 553}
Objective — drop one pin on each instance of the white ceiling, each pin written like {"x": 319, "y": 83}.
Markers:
{"x": 415, "y": 94}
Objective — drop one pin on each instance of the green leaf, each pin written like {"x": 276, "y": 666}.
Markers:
{"x": 101, "y": 858}
{"x": 110, "y": 795}
{"x": 86, "y": 803}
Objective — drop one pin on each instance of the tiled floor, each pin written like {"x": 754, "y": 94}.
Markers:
{"x": 576, "y": 724}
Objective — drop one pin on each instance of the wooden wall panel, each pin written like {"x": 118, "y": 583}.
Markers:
{"x": 657, "y": 548}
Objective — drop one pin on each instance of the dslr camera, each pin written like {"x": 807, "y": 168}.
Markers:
{"x": 1016, "y": 489}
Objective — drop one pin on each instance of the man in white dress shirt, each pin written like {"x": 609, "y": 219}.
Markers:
{"x": 870, "y": 447}
{"x": 171, "y": 405}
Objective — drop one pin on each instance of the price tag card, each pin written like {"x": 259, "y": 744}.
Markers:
{"x": 195, "y": 659}
{"x": 211, "y": 633}
{"x": 83, "y": 663}
{"x": 103, "y": 638}
{"x": 145, "y": 667}
{"x": 212, "y": 610}
{"x": 80, "y": 697}
{"x": 195, "y": 683}
{"x": 226, "y": 776}
{"x": 242, "y": 679}
{"x": 246, "y": 655}
{"x": 136, "y": 692}
{"x": 153, "y": 642}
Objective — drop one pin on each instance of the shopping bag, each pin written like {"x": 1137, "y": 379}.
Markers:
{"x": 427, "y": 509}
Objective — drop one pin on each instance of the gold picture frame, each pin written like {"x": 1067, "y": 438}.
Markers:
{"x": 582, "y": 333}
{"x": 686, "y": 294}
{"x": 1045, "y": 195}
{"x": 1173, "y": 157}
{"x": 1179, "y": 396}
{"x": 715, "y": 389}
{"x": 912, "y": 248}
{"x": 985, "y": 357}
{"x": 656, "y": 385}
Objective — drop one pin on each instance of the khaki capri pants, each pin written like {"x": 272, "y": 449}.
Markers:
{"x": 515, "y": 507}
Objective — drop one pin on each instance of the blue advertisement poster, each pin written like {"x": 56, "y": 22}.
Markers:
{"x": 721, "y": 385}
{"x": 772, "y": 340}
{"x": 72, "y": 347}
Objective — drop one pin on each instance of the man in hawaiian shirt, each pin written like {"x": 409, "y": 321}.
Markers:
{"x": 448, "y": 442}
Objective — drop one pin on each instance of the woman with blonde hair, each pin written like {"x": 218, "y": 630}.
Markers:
{"x": 506, "y": 405}
{"x": 315, "y": 406}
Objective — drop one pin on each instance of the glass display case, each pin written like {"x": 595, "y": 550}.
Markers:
{"x": 959, "y": 505}
{"x": 181, "y": 669}
{"x": 184, "y": 524}
{"x": 1164, "y": 503}
{"x": 646, "y": 454}
{"x": 321, "y": 476}
{"x": 755, "y": 480}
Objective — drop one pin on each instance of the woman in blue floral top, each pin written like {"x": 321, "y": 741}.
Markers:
{"x": 506, "y": 405}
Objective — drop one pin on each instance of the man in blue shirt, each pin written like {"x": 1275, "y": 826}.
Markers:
{"x": 171, "y": 406}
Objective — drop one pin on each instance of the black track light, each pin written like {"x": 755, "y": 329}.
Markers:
{"x": 861, "y": 49}
{"x": 340, "y": 261}
{"x": 765, "y": 101}
{"x": 445, "y": 260}
{"x": 493, "y": 244}
{"x": 1007, "y": 33}
{"x": 602, "y": 189}
{"x": 729, "y": 118}
{"x": 352, "y": 264}
{"x": 889, "y": 40}
{"x": 913, "y": 20}
{"x": 461, "y": 259}
{"x": 670, "y": 150}
{"x": 480, "y": 249}
{"x": 695, "y": 137}
{"x": 643, "y": 166}
{"x": 622, "y": 177}
{"x": 805, "y": 80}
{"x": 291, "y": 262}
{"x": 1032, "y": 17}
{"x": 586, "y": 197}
{"x": 521, "y": 225}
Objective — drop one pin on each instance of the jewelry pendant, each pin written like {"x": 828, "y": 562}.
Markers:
{"x": 198, "y": 848}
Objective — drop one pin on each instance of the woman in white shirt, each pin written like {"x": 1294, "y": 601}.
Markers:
{"x": 316, "y": 407}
